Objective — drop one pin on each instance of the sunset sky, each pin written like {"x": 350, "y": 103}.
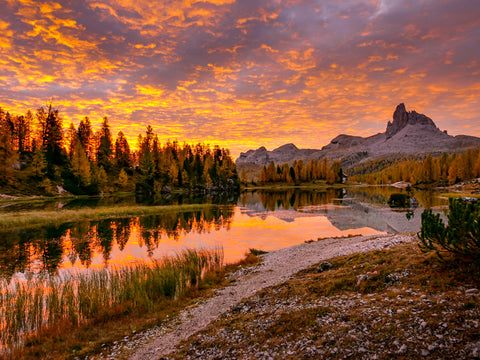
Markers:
{"x": 244, "y": 73}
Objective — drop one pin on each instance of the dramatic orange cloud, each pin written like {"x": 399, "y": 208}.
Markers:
{"x": 244, "y": 73}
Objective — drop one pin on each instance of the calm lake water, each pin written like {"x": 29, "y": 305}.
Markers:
{"x": 266, "y": 220}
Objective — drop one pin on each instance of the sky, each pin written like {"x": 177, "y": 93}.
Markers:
{"x": 244, "y": 73}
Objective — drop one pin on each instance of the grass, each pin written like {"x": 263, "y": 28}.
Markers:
{"x": 83, "y": 314}
{"x": 29, "y": 219}
{"x": 365, "y": 305}
{"x": 460, "y": 194}
{"x": 257, "y": 252}
{"x": 77, "y": 299}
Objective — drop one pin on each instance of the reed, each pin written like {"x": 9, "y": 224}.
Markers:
{"x": 29, "y": 219}
{"x": 77, "y": 299}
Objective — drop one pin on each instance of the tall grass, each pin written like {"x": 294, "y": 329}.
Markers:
{"x": 27, "y": 307}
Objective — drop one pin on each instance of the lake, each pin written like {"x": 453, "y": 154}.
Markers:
{"x": 266, "y": 220}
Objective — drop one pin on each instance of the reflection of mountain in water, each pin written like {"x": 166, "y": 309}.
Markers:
{"x": 285, "y": 205}
{"x": 344, "y": 214}
{"x": 355, "y": 215}
{"x": 282, "y": 214}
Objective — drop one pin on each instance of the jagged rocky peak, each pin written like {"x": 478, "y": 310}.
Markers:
{"x": 409, "y": 133}
{"x": 402, "y": 118}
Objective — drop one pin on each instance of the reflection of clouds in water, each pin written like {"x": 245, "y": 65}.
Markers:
{"x": 267, "y": 221}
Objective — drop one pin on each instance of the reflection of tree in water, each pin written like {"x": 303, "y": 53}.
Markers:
{"x": 80, "y": 241}
{"x": 295, "y": 199}
{"x": 15, "y": 253}
{"x": 105, "y": 236}
{"x": 380, "y": 194}
{"x": 122, "y": 231}
{"x": 154, "y": 228}
{"x": 50, "y": 247}
{"x": 82, "y": 236}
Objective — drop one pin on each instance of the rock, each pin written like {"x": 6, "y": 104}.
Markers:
{"x": 402, "y": 118}
{"x": 324, "y": 266}
{"x": 474, "y": 350}
{"x": 425, "y": 352}
{"x": 409, "y": 133}
{"x": 403, "y": 350}
{"x": 166, "y": 189}
{"x": 61, "y": 190}
{"x": 361, "y": 278}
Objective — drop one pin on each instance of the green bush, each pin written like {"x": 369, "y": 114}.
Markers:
{"x": 460, "y": 237}
{"x": 398, "y": 200}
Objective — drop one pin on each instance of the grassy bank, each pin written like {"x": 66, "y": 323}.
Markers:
{"x": 77, "y": 314}
{"x": 397, "y": 303}
{"x": 29, "y": 219}
{"x": 460, "y": 194}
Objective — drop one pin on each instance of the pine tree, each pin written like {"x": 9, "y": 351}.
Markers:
{"x": 80, "y": 165}
{"x": 122, "y": 180}
{"x": 122, "y": 151}
{"x": 38, "y": 165}
{"x": 100, "y": 178}
{"x": 8, "y": 156}
{"x": 105, "y": 148}
{"x": 52, "y": 138}
{"x": 337, "y": 172}
{"x": 85, "y": 136}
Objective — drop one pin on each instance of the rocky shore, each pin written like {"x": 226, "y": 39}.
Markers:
{"x": 366, "y": 297}
{"x": 276, "y": 267}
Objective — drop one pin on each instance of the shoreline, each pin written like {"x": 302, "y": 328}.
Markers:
{"x": 277, "y": 267}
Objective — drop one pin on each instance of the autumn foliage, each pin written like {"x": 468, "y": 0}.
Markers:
{"x": 447, "y": 169}
{"x": 298, "y": 172}
{"x": 37, "y": 153}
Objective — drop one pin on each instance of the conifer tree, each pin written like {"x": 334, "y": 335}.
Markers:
{"x": 122, "y": 151}
{"x": 52, "y": 137}
{"x": 8, "y": 157}
{"x": 122, "y": 179}
{"x": 80, "y": 165}
{"x": 243, "y": 176}
{"x": 85, "y": 136}
{"x": 38, "y": 165}
{"x": 105, "y": 147}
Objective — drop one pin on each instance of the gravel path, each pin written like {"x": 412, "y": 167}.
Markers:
{"x": 277, "y": 267}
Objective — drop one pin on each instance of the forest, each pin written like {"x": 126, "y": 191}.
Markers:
{"x": 443, "y": 170}
{"x": 38, "y": 155}
{"x": 298, "y": 172}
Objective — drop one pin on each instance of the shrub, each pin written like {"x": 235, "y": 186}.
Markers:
{"x": 460, "y": 237}
{"x": 398, "y": 200}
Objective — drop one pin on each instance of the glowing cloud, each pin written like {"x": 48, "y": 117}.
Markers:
{"x": 244, "y": 73}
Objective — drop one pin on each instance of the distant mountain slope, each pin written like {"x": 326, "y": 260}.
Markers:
{"x": 409, "y": 133}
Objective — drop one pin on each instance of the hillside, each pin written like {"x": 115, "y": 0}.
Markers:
{"x": 409, "y": 133}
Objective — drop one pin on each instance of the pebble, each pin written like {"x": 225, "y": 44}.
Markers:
{"x": 342, "y": 337}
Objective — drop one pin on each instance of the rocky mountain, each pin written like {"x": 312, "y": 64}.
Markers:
{"x": 409, "y": 133}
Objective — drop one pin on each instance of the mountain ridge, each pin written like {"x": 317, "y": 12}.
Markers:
{"x": 409, "y": 133}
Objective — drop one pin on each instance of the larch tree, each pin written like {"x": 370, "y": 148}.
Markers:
{"x": 243, "y": 176}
